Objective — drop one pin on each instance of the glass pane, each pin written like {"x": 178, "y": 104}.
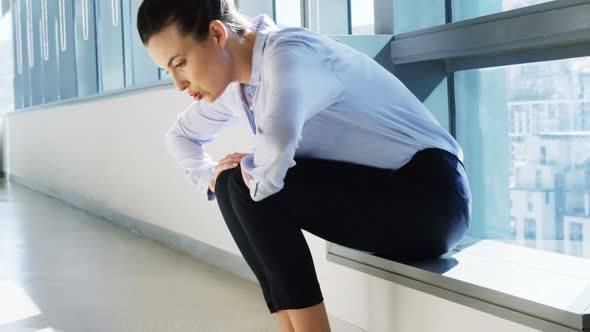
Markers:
{"x": 288, "y": 13}
{"x": 332, "y": 16}
{"x": 253, "y": 8}
{"x": 525, "y": 133}
{"x": 410, "y": 15}
{"x": 466, "y": 9}
{"x": 362, "y": 17}
{"x": 438, "y": 104}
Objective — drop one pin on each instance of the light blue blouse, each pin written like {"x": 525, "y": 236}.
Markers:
{"x": 309, "y": 96}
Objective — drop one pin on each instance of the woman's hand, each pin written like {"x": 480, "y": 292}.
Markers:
{"x": 230, "y": 161}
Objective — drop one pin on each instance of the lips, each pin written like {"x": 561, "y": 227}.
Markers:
{"x": 197, "y": 96}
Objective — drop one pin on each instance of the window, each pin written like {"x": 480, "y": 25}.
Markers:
{"x": 543, "y": 155}
{"x": 576, "y": 231}
{"x": 538, "y": 182}
{"x": 547, "y": 197}
{"x": 586, "y": 87}
{"x": 362, "y": 17}
{"x": 530, "y": 229}
{"x": 251, "y": 8}
{"x": 466, "y": 9}
{"x": 288, "y": 13}
{"x": 585, "y": 123}
{"x": 487, "y": 151}
{"x": 411, "y": 15}
{"x": 331, "y": 16}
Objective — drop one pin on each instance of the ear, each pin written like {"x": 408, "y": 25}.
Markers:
{"x": 218, "y": 32}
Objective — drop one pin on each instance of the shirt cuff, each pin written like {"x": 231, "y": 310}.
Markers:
{"x": 254, "y": 191}
{"x": 210, "y": 195}
{"x": 205, "y": 190}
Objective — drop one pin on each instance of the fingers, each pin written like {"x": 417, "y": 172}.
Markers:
{"x": 237, "y": 154}
{"x": 230, "y": 161}
{"x": 226, "y": 164}
{"x": 234, "y": 157}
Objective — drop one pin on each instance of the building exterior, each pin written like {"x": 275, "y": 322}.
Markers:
{"x": 549, "y": 134}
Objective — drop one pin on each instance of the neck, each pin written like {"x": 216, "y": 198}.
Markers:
{"x": 241, "y": 49}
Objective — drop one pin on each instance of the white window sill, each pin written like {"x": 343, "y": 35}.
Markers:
{"x": 536, "y": 288}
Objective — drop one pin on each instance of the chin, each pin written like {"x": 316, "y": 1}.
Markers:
{"x": 210, "y": 98}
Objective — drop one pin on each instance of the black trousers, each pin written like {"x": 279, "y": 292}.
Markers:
{"x": 420, "y": 211}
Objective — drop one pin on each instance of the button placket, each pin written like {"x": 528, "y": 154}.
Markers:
{"x": 248, "y": 109}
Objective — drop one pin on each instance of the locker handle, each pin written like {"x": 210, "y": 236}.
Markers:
{"x": 19, "y": 38}
{"x": 30, "y": 35}
{"x": 115, "y": 12}
{"x": 44, "y": 29}
{"x": 85, "y": 19}
{"x": 62, "y": 26}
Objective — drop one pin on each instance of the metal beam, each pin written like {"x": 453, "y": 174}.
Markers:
{"x": 553, "y": 30}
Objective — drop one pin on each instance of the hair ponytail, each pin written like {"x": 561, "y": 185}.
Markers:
{"x": 192, "y": 17}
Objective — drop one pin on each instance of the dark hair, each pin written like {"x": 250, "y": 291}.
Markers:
{"x": 192, "y": 16}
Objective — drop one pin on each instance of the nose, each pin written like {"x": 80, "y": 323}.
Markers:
{"x": 180, "y": 84}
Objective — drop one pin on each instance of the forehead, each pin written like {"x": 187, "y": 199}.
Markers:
{"x": 167, "y": 43}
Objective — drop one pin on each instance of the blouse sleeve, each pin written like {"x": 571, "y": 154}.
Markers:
{"x": 300, "y": 83}
{"x": 185, "y": 141}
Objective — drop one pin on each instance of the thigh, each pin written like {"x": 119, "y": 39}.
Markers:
{"x": 363, "y": 207}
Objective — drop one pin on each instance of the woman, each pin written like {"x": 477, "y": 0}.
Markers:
{"x": 342, "y": 148}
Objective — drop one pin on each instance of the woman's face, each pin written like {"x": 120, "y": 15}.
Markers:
{"x": 199, "y": 67}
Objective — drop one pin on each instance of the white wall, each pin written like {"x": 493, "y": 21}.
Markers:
{"x": 112, "y": 152}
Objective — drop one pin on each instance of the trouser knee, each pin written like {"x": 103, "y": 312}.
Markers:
{"x": 221, "y": 182}
{"x": 229, "y": 182}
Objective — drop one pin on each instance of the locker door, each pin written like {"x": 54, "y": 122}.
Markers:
{"x": 66, "y": 50}
{"x": 85, "y": 36}
{"x": 127, "y": 54}
{"x": 143, "y": 68}
{"x": 49, "y": 30}
{"x": 17, "y": 51}
{"x": 33, "y": 16}
{"x": 25, "y": 34}
{"x": 110, "y": 45}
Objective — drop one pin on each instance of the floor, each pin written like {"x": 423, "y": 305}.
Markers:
{"x": 62, "y": 269}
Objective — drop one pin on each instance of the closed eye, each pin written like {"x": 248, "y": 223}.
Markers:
{"x": 177, "y": 66}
